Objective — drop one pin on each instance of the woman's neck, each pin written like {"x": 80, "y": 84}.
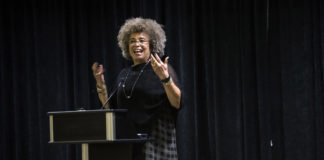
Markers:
{"x": 140, "y": 62}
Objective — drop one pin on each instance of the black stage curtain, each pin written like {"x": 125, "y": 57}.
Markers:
{"x": 251, "y": 72}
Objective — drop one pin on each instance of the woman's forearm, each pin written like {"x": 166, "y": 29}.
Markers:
{"x": 103, "y": 94}
{"x": 173, "y": 93}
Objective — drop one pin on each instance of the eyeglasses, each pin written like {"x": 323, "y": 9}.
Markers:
{"x": 134, "y": 41}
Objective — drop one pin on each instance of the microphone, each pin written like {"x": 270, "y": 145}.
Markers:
{"x": 112, "y": 93}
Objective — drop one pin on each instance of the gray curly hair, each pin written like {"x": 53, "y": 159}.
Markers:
{"x": 150, "y": 27}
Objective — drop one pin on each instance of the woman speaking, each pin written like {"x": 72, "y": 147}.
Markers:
{"x": 148, "y": 88}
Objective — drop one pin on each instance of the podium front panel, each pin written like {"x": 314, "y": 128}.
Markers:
{"x": 90, "y": 125}
{"x": 81, "y": 126}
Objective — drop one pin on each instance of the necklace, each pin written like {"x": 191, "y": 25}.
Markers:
{"x": 124, "y": 86}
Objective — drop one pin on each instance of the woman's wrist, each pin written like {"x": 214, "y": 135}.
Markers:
{"x": 166, "y": 81}
{"x": 101, "y": 88}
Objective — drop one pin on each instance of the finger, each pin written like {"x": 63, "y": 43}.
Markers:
{"x": 94, "y": 66}
{"x": 153, "y": 58}
{"x": 100, "y": 69}
{"x": 166, "y": 60}
{"x": 154, "y": 61}
{"x": 158, "y": 58}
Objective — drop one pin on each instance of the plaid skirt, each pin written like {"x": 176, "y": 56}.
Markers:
{"x": 163, "y": 146}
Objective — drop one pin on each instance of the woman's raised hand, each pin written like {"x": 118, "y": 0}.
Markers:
{"x": 98, "y": 71}
{"x": 160, "y": 68}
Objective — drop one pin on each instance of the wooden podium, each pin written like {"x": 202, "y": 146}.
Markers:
{"x": 104, "y": 134}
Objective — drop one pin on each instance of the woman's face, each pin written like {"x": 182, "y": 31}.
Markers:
{"x": 139, "y": 47}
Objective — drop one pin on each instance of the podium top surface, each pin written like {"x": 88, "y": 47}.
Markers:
{"x": 134, "y": 140}
{"x": 87, "y": 111}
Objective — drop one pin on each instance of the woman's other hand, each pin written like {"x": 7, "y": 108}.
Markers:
{"x": 101, "y": 86}
{"x": 98, "y": 71}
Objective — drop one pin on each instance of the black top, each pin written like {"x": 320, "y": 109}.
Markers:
{"x": 148, "y": 99}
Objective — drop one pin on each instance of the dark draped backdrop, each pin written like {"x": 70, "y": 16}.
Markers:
{"x": 252, "y": 73}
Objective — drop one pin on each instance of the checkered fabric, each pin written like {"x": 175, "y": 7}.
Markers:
{"x": 163, "y": 147}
